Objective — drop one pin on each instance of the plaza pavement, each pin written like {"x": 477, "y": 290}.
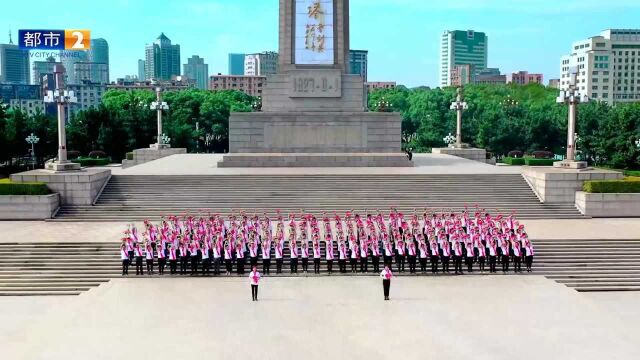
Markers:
{"x": 206, "y": 164}
{"x": 498, "y": 318}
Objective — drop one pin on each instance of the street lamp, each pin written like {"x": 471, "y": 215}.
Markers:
{"x": 159, "y": 106}
{"x": 383, "y": 105}
{"x": 459, "y": 106}
{"x": 62, "y": 98}
{"x": 449, "y": 139}
{"x": 165, "y": 140}
{"x": 638, "y": 143}
{"x": 256, "y": 105}
{"x": 572, "y": 97}
{"x": 32, "y": 140}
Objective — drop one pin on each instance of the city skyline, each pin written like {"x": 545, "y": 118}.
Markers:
{"x": 529, "y": 35}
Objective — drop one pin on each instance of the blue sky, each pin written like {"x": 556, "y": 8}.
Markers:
{"x": 402, "y": 36}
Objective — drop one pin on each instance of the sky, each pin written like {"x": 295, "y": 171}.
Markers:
{"x": 402, "y": 36}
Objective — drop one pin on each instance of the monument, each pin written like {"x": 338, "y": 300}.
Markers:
{"x": 314, "y": 112}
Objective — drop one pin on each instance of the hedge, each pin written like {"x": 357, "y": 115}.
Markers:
{"x": 85, "y": 161}
{"x": 7, "y": 187}
{"x": 627, "y": 185}
{"x": 539, "y": 162}
{"x": 513, "y": 161}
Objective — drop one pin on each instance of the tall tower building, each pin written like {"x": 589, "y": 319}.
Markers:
{"x": 141, "y": 65}
{"x": 236, "y": 64}
{"x": 14, "y": 64}
{"x": 460, "y": 47}
{"x": 41, "y": 68}
{"x": 262, "y": 64}
{"x": 359, "y": 63}
{"x": 607, "y": 65}
{"x": 162, "y": 59}
{"x": 196, "y": 69}
{"x": 87, "y": 66}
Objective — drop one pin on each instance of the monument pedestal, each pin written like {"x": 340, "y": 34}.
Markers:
{"x": 575, "y": 165}
{"x": 315, "y": 139}
{"x": 466, "y": 153}
{"x": 65, "y": 166}
{"x": 141, "y": 156}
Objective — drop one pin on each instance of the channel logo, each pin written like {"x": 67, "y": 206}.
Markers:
{"x": 54, "y": 39}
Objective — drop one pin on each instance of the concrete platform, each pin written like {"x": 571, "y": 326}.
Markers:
{"x": 559, "y": 185}
{"x": 274, "y": 160}
{"x": 341, "y": 318}
{"x": 474, "y": 154}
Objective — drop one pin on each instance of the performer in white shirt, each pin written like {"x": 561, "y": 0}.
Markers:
{"x": 173, "y": 260}
{"x": 481, "y": 253}
{"x": 435, "y": 255}
{"x": 148, "y": 255}
{"x": 124, "y": 256}
{"x": 329, "y": 255}
{"x": 375, "y": 255}
{"x": 424, "y": 254}
{"x": 517, "y": 253}
{"x": 528, "y": 253}
{"x": 293, "y": 253}
{"x": 343, "y": 256}
{"x": 386, "y": 276}
{"x": 254, "y": 280}
{"x": 279, "y": 248}
{"x": 493, "y": 253}
{"x": 446, "y": 255}
{"x": 137, "y": 252}
{"x": 266, "y": 256}
{"x": 316, "y": 258}
{"x": 305, "y": 255}
{"x": 161, "y": 259}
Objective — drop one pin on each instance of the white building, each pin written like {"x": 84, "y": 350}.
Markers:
{"x": 29, "y": 106}
{"x": 262, "y": 64}
{"x": 89, "y": 95}
{"x": 608, "y": 66}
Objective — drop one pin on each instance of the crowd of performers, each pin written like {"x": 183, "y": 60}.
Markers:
{"x": 193, "y": 245}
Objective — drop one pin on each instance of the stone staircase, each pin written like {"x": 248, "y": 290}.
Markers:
{"x": 138, "y": 197}
{"x": 30, "y": 269}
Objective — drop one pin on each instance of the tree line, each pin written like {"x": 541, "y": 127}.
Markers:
{"x": 500, "y": 118}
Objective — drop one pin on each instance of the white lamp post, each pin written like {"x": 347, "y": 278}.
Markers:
{"x": 61, "y": 97}
{"x": 449, "y": 139}
{"x": 159, "y": 106}
{"x": 32, "y": 140}
{"x": 638, "y": 143}
{"x": 572, "y": 97}
{"x": 459, "y": 106}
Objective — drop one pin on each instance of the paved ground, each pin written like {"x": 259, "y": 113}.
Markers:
{"x": 27, "y": 231}
{"x": 337, "y": 318}
{"x": 206, "y": 164}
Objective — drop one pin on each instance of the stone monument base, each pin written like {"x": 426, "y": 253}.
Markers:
{"x": 61, "y": 167}
{"x": 466, "y": 153}
{"x": 315, "y": 160}
{"x": 141, "y": 156}
{"x": 565, "y": 164}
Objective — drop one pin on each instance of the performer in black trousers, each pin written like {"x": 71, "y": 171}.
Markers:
{"x": 254, "y": 278}
{"x": 386, "y": 276}
{"x": 124, "y": 255}
{"x": 173, "y": 260}
{"x": 138, "y": 254}
{"x": 162, "y": 260}
{"x": 184, "y": 259}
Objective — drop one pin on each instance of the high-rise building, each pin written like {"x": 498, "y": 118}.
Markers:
{"x": 162, "y": 59}
{"x": 462, "y": 75}
{"x": 262, "y": 64}
{"x": 359, "y": 63}
{"x": 524, "y": 77}
{"x": 14, "y": 64}
{"x": 196, "y": 69}
{"x": 88, "y": 95}
{"x": 607, "y": 65}
{"x": 460, "y": 48}
{"x": 236, "y": 64}
{"x": 89, "y": 65}
{"x": 141, "y": 64}
{"x": 41, "y": 68}
{"x": 27, "y": 98}
{"x": 250, "y": 85}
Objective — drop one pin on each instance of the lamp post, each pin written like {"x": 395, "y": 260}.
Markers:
{"x": 32, "y": 140}
{"x": 449, "y": 140}
{"x": 459, "y": 106}
{"x": 383, "y": 105}
{"x": 638, "y": 144}
{"x": 62, "y": 98}
{"x": 572, "y": 97}
{"x": 159, "y": 106}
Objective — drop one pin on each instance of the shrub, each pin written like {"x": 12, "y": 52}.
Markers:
{"x": 97, "y": 154}
{"x": 539, "y": 162}
{"x": 73, "y": 154}
{"x": 489, "y": 155}
{"x": 8, "y": 187}
{"x": 87, "y": 161}
{"x": 515, "y": 154}
{"x": 542, "y": 154}
{"x": 129, "y": 156}
{"x": 513, "y": 161}
{"x": 627, "y": 185}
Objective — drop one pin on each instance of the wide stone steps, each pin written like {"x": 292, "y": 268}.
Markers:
{"x": 131, "y": 198}
{"x": 39, "y": 269}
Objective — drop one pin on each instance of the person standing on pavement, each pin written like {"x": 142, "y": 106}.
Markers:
{"x": 386, "y": 276}
{"x": 254, "y": 279}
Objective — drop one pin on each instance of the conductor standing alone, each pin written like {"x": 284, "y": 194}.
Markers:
{"x": 254, "y": 278}
{"x": 386, "y": 276}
